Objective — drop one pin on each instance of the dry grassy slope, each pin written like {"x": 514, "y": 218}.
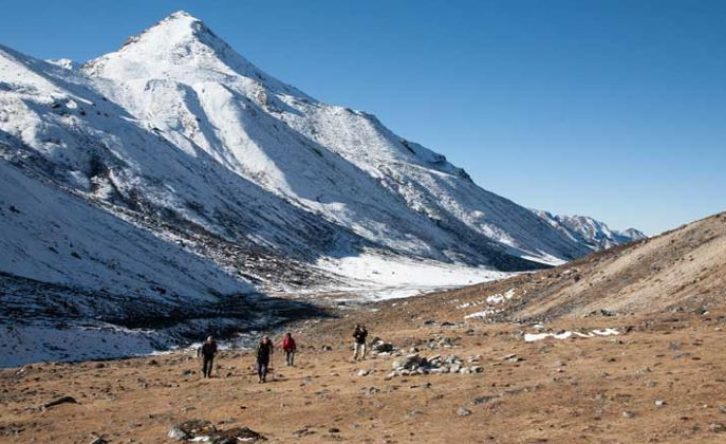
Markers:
{"x": 681, "y": 269}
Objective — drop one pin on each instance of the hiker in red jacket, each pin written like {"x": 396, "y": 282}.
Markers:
{"x": 289, "y": 346}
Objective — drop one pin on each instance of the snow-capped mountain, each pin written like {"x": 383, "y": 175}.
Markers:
{"x": 182, "y": 81}
{"x": 173, "y": 174}
{"x": 590, "y": 232}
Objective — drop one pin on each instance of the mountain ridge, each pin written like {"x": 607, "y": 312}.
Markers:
{"x": 593, "y": 233}
{"x": 197, "y": 163}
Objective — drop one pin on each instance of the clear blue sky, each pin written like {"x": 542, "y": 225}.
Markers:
{"x": 614, "y": 109}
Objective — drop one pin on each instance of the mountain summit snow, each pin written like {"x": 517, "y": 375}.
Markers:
{"x": 173, "y": 173}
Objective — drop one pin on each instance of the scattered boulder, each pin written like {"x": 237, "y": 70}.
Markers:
{"x": 414, "y": 364}
{"x": 205, "y": 431}
{"x": 717, "y": 427}
{"x": 461, "y": 411}
{"x": 378, "y": 345}
{"x": 236, "y": 435}
{"x": 410, "y": 362}
{"x": 197, "y": 427}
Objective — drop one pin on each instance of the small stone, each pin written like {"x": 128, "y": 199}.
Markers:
{"x": 717, "y": 427}
{"x": 463, "y": 411}
{"x": 177, "y": 434}
{"x": 363, "y": 372}
{"x": 628, "y": 414}
{"x": 659, "y": 403}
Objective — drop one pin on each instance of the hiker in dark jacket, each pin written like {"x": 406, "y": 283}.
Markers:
{"x": 289, "y": 347}
{"x": 359, "y": 345}
{"x": 207, "y": 352}
{"x": 264, "y": 352}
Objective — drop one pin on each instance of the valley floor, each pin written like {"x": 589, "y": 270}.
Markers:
{"x": 661, "y": 379}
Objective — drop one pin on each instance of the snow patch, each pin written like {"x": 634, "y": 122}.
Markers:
{"x": 534, "y": 337}
{"x": 499, "y": 298}
{"x": 374, "y": 277}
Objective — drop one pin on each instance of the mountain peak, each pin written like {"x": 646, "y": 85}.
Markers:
{"x": 183, "y": 48}
{"x": 179, "y": 41}
{"x": 180, "y": 28}
{"x": 181, "y": 14}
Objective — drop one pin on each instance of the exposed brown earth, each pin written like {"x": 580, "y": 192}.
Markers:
{"x": 661, "y": 379}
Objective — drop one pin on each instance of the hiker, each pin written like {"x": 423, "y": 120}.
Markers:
{"x": 360, "y": 334}
{"x": 264, "y": 351}
{"x": 289, "y": 347}
{"x": 207, "y": 352}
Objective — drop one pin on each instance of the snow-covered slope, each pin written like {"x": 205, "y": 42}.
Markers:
{"x": 198, "y": 93}
{"x": 174, "y": 180}
{"x": 585, "y": 230}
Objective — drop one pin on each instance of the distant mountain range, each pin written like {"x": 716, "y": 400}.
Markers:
{"x": 587, "y": 231}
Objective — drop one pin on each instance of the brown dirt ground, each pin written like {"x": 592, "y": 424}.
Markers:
{"x": 574, "y": 390}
